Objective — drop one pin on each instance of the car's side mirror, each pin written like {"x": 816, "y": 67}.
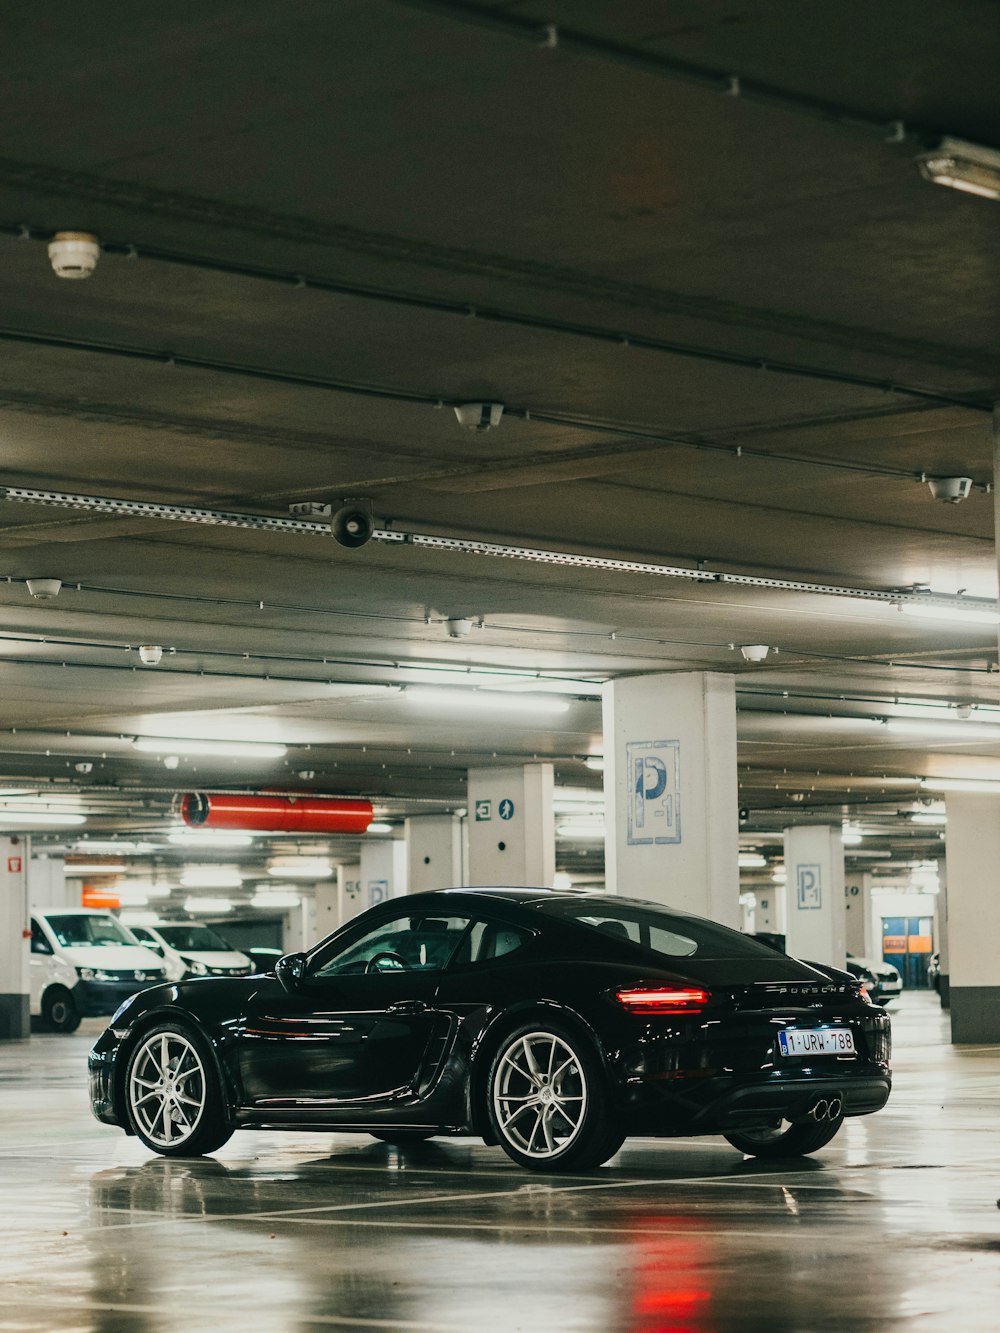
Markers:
{"x": 290, "y": 970}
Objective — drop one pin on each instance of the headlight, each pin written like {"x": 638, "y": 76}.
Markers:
{"x": 199, "y": 969}
{"x": 85, "y": 973}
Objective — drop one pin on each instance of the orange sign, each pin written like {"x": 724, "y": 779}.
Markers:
{"x": 99, "y": 898}
{"x": 894, "y": 944}
{"x": 921, "y": 944}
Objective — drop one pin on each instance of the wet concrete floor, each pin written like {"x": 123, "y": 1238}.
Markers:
{"x": 893, "y": 1226}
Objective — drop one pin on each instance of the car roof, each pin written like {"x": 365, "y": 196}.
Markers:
{"x": 527, "y": 897}
{"x": 70, "y": 911}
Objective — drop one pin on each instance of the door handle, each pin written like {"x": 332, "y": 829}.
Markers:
{"x": 407, "y": 1007}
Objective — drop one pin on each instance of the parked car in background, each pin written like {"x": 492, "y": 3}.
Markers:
{"x": 84, "y": 963}
{"x": 263, "y": 957}
{"x": 189, "y": 949}
{"x": 551, "y": 1024}
{"x": 888, "y": 984}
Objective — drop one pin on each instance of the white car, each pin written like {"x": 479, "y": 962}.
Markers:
{"x": 83, "y": 964}
{"x": 192, "y": 950}
{"x": 888, "y": 982}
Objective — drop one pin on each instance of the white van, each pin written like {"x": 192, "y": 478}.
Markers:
{"x": 189, "y": 949}
{"x": 83, "y": 964}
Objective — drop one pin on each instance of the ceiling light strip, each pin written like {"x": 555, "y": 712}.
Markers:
{"x": 461, "y": 545}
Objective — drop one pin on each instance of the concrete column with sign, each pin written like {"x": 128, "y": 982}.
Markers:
{"x": 383, "y": 870}
{"x": 671, "y": 802}
{"x": 769, "y": 913}
{"x": 47, "y": 883}
{"x": 512, "y": 836}
{"x": 15, "y": 1021}
{"x": 817, "y": 921}
{"x": 858, "y": 911}
{"x": 944, "y": 963}
{"x": 434, "y": 852}
{"x": 973, "y": 873}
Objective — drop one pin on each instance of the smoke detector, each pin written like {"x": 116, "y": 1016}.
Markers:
{"x": 43, "y": 589}
{"x": 74, "y": 254}
{"x": 479, "y": 416}
{"x": 754, "y": 652}
{"x": 951, "y": 490}
{"x": 150, "y": 654}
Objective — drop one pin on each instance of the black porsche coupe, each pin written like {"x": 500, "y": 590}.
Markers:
{"x": 553, "y": 1024}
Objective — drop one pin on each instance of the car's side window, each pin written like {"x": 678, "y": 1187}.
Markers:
{"x": 488, "y": 941}
{"x": 409, "y": 943}
{"x": 39, "y": 944}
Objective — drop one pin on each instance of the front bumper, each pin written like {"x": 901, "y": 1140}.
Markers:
{"x": 100, "y": 1066}
{"x": 98, "y": 999}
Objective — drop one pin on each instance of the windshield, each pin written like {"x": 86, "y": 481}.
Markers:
{"x": 655, "y": 928}
{"x": 194, "y": 939}
{"x": 95, "y": 931}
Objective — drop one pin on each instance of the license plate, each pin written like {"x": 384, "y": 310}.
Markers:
{"x": 817, "y": 1041}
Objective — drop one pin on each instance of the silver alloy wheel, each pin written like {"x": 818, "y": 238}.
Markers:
{"x": 167, "y": 1089}
{"x": 539, "y": 1094}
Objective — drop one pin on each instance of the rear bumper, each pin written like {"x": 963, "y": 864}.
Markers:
{"x": 713, "y": 1105}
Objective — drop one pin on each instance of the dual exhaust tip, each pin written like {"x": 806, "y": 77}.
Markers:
{"x": 827, "y": 1108}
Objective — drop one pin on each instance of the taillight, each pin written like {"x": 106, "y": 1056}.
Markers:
{"x": 663, "y": 999}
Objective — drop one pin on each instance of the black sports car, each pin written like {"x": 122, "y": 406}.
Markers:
{"x": 552, "y": 1024}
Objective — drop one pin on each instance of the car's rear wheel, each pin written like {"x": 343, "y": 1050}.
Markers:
{"x": 784, "y": 1139}
{"x": 59, "y": 1011}
{"x": 172, "y": 1094}
{"x": 550, "y": 1105}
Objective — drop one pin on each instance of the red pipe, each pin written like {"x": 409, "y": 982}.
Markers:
{"x": 277, "y": 814}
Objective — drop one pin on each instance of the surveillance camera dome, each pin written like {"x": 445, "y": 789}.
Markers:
{"x": 74, "y": 254}
{"x": 479, "y": 416}
{"x": 171, "y": 761}
{"x": 458, "y": 628}
{"x": 150, "y": 654}
{"x": 43, "y": 589}
{"x": 950, "y": 490}
{"x": 754, "y": 652}
{"x": 84, "y": 767}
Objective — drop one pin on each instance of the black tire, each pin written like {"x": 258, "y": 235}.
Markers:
{"x": 786, "y": 1140}
{"x": 549, "y": 1101}
{"x": 179, "y": 1113}
{"x": 402, "y": 1136}
{"x": 59, "y": 1011}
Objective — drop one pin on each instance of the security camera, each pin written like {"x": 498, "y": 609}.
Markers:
{"x": 479, "y": 416}
{"x": 754, "y": 652}
{"x": 353, "y": 523}
{"x": 459, "y": 627}
{"x": 171, "y": 761}
{"x": 84, "y": 767}
{"x": 74, "y": 254}
{"x": 306, "y": 774}
{"x": 150, "y": 654}
{"x": 950, "y": 489}
{"x": 43, "y": 589}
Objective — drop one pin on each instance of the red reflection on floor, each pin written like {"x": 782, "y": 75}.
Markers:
{"x": 669, "y": 1292}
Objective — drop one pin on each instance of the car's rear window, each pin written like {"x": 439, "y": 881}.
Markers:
{"x": 655, "y": 928}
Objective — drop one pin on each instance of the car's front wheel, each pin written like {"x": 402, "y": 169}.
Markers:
{"x": 172, "y": 1094}
{"x": 785, "y": 1139}
{"x": 550, "y": 1105}
{"x": 59, "y": 1011}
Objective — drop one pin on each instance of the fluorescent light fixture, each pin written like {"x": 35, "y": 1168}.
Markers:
{"x": 211, "y": 877}
{"x": 207, "y": 905}
{"x": 981, "y": 614}
{"x": 580, "y": 828}
{"x": 132, "y": 898}
{"x": 779, "y": 876}
{"x": 925, "y": 818}
{"x": 595, "y": 762}
{"x": 149, "y": 889}
{"x": 985, "y": 785}
{"x": 275, "y": 898}
{"x": 94, "y": 868}
{"x": 210, "y": 838}
{"x": 223, "y": 749}
{"x": 114, "y": 847}
{"x": 870, "y": 855}
{"x": 752, "y": 861}
{"x": 966, "y": 731}
{"x": 379, "y": 826}
{"x": 484, "y": 700}
{"x": 962, "y": 165}
{"x": 300, "y": 867}
{"x": 851, "y": 837}
{"x": 18, "y": 819}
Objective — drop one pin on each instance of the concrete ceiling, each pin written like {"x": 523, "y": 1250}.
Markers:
{"x": 730, "y": 332}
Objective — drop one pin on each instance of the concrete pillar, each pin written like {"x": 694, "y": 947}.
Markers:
{"x": 47, "y": 883}
{"x": 817, "y": 922}
{"x": 858, "y": 911}
{"x": 944, "y": 975}
{"x": 512, "y": 836}
{"x": 328, "y": 905}
{"x": 352, "y": 900}
{"x": 433, "y": 852}
{"x": 383, "y": 870}
{"x": 770, "y": 913}
{"x": 299, "y": 927}
{"x": 670, "y": 789}
{"x": 973, "y": 870}
{"x": 15, "y": 1022}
